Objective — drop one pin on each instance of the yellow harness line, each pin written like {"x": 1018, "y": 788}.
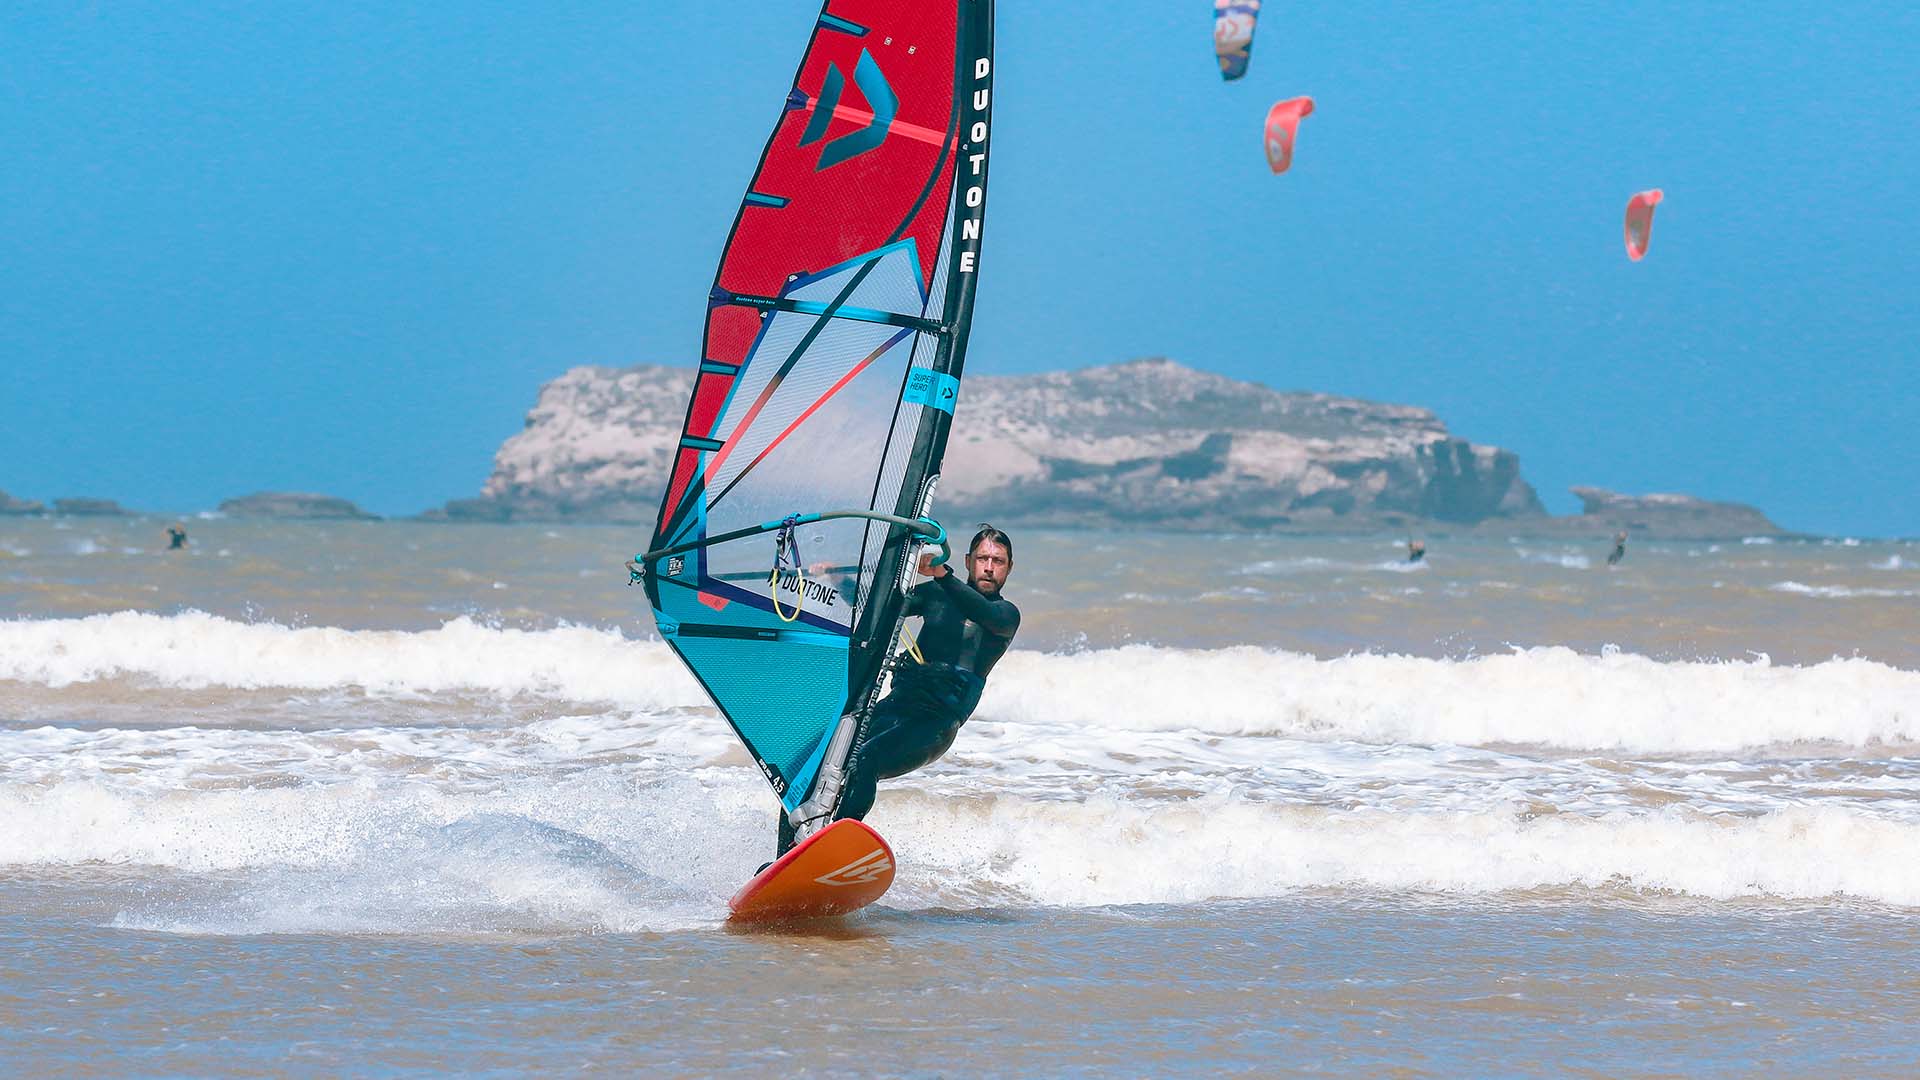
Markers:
{"x": 800, "y": 592}
{"x": 913, "y": 647}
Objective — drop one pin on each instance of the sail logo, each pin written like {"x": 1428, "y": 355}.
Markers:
{"x": 861, "y": 871}
{"x": 773, "y": 777}
{"x": 933, "y": 388}
{"x": 880, "y": 98}
{"x": 975, "y": 196}
{"x": 806, "y": 588}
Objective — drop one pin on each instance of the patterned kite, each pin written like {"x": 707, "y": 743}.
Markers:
{"x": 1233, "y": 35}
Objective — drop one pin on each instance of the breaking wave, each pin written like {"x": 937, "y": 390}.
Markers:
{"x": 1550, "y": 697}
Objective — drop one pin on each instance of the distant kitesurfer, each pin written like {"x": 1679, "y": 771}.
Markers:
{"x": 1619, "y": 549}
{"x": 967, "y": 628}
{"x": 1416, "y": 550}
{"x": 176, "y": 536}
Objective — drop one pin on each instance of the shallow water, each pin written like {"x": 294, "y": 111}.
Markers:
{"x": 1314, "y": 984}
{"x": 410, "y": 796}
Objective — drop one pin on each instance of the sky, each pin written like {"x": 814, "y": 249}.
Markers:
{"x": 339, "y": 247}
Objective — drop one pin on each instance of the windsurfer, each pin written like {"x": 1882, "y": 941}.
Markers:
{"x": 967, "y": 628}
{"x": 1416, "y": 550}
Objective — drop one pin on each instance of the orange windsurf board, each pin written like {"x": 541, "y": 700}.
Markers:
{"x": 842, "y": 868}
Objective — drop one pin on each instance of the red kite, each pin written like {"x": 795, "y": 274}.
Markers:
{"x": 1639, "y": 221}
{"x": 1282, "y": 119}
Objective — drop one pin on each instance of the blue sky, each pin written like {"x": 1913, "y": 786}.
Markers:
{"x": 338, "y": 247}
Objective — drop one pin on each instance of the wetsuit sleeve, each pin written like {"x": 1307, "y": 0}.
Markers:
{"x": 997, "y": 616}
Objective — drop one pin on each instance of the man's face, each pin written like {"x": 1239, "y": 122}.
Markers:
{"x": 988, "y": 566}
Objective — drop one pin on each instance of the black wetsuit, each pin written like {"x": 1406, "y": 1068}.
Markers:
{"x": 964, "y": 635}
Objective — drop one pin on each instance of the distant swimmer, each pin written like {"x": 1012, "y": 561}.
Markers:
{"x": 1416, "y": 550}
{"x": 967, "y": 628}
{"x": 1619, "y": 549}
{"x": 176, "y": 536}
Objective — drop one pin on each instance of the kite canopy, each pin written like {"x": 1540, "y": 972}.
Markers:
{"x": 1640, "y": 222}
{"x": 1233, "y": 35}
{"x": 1282, "y": 122}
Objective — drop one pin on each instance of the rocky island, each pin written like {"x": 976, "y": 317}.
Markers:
{"x": 1143, "y": 444}
{"x": 82, "y": 507}
{"x": 297, "y": 505}
{"x": 12, "y": 506}
{"x": 1674, "y": 517}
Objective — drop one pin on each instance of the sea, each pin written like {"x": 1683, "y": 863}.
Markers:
{"x": 400, "y": 798}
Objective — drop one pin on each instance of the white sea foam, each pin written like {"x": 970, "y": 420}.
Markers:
{"x": 1302, "y": 565}
{"x": 1312, "y": 564}
{"x": 1399, "y": 566}
{"x": 1566, "y": 559}
{"x": 600, "y": 855}
{"x": 1839, "y": 592}
{"x": 1103, "y": 852}
{"x": 386, "y": 859}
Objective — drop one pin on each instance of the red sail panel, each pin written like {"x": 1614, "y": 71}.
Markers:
{"x": 840, "y": 200}
{"x": 730, "y": 334}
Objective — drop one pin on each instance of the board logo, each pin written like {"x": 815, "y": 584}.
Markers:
{"x": 880, "y": 98}
{"x": 865, "y": 869}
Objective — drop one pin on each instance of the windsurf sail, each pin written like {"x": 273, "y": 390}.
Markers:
{"x": 836, "y": 329}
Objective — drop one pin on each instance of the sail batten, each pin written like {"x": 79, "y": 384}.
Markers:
{"x": 836, "y": 332}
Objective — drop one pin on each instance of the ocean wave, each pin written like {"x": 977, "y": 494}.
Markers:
{"x": 1552, "y": 697}
{"x": 194, "y": 649}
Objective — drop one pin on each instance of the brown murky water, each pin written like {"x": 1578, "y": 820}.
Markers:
{"x": 399, "y": 797}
